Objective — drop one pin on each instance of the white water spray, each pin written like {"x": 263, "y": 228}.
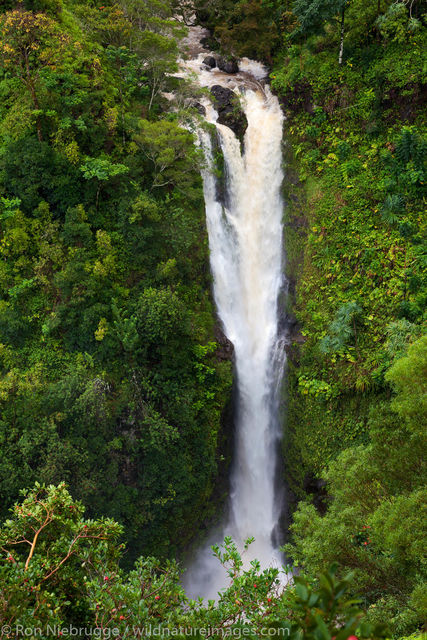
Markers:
{"x": 246, "y": 254}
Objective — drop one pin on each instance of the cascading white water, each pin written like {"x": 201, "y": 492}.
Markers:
{"x": 246, "y": 254}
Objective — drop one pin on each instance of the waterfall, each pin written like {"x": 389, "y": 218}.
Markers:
{"x": 246, "y": 256}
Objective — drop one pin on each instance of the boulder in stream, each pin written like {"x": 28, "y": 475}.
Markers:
{"x": 210, "y": 62}
{"x": 229, "y": 66}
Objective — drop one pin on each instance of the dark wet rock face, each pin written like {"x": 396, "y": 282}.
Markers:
{"x": 225, "y": 349}
{"x": 222, "y": 95}
{"x": 228, "y": 66}
{"x": 317, "y": 487}
{"x": 210, "y": 61}
{"x": 229, "y": 111}
{"x": 221, "y": 170}
{"x": 200, "y": 108}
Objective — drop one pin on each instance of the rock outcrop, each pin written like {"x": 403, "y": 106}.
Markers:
{"x": 210, "y": 61}
{"x": 229, "y": 112}
{"x": 228, "y": 65}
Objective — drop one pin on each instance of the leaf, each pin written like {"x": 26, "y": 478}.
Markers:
{"x": 301, "y": 591}
{"x": 321, "y": 632}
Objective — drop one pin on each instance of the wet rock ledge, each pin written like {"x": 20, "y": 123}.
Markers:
{"x": 229, "y": 111}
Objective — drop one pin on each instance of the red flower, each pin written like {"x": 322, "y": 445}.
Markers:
{"x": 156, "y": 597}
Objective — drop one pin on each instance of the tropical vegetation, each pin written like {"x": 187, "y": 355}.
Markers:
{"x": 115, "y": 392}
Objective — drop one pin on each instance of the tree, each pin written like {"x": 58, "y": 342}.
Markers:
{"x": 398, "y": 23}
{"x": 47, "y": 548}
{"x": 374, "y": 520}
{"x": 57, "y": 568}
{"x": 408, "y": 377}
{"x": 158, "y": 54}
{"x": 154, "y": 40}
{"x": 101, "y": 170}
{"x": 104, "y": 279}
{"x": 313, "y": 14}
{"x": 30, "y": 43}
{"x": 170, "y": 151}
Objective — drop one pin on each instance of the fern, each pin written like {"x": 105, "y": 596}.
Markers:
{"x": 392, "y": 208}
{"x": 411, "y": 147}
{"x": 342, "y": 329}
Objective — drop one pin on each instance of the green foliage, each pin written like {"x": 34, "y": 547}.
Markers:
{"x": 356, "y": 236}
{"x": 249, "y": 28}
{"x": 358, "y": 219}
{"x": 58, "y": 568}
{"x": 408, "y": 376}
{"x": 109, "y": 374}
{"x": 392, "y": 208}
{"x": 323, "y": 607}
{"x": 101, "y": 169}
{"x": 406, "y": 173}
{"x": 312, "y": 14}
{"x": 396, "y": 24}
{"x": 169, "y": 151}
{"x": 342, "y": 329}
{"x": 46, "y": 550}
{"x": 374, "y": 524}
{"x": 104, "y": 285}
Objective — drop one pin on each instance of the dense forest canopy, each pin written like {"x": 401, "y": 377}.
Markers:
{"x": 113, "y": 374}
{"x": 109, "y": 375}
